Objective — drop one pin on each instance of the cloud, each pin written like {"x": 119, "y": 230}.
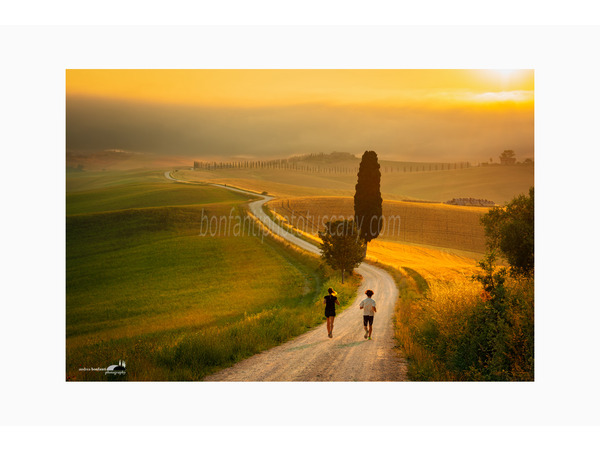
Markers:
{"x": 503, "y": 96}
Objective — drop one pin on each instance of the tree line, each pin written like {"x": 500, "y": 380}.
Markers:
{"x": 282, "y": 164}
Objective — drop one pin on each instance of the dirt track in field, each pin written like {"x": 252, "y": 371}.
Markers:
{"x": 313, "y": 356}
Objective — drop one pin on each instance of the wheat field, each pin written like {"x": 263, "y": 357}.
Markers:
{"x": 496, "y": 183}
{"x": 434, "y": 224}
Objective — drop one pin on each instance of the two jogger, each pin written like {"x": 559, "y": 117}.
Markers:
{"x": 368, "y": 305}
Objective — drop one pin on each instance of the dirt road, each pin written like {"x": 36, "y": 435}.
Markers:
{"x": 315, "y": 357}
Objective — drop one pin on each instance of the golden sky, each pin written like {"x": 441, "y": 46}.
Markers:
{"x": 410, "y": 115}
{"x": 283, "y": 87}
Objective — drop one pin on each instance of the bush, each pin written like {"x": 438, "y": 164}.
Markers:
{"x": 511, "y": 231}
{"x": 469, "y": 330}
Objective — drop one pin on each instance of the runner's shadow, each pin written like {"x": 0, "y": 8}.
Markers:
{"x": 351, "y": 344}
{"x": 301, "y": 347}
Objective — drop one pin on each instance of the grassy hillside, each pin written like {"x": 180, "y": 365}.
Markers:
{"x": 143, "y": 286}
{"x": 446, "y": 226}
{"x": 144, "y": 195}
{"x": 496, "y": 183}
{"x": 80, "y": 181}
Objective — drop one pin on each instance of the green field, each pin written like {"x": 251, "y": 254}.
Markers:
{"x": 81, "y": 181}
{"x": 145, "y": 195}
{"x": 143, "y": 286}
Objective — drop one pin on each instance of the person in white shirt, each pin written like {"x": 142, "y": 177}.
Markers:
{"x": 368, "y": 305}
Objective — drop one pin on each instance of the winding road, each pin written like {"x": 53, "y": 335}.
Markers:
{"x": 315, "y": 357}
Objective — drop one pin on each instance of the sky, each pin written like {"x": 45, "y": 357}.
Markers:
{"x": 404, "y": 115}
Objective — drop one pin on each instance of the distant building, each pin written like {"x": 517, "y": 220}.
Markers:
{"x": 470, "y": 201}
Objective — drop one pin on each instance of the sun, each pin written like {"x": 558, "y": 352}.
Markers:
{"x": 510, "y": 78}
{"x": 504, "y": 74}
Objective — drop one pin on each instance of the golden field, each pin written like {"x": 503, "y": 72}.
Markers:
{"x": 278, "y": 183}
{"x": 433, "y": 263}
{"x": 434, "y": 224}
{"x": 496, "y": 183}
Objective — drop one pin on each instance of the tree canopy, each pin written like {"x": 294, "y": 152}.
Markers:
{"x": 367, "y": 198}
{"x": 508, "y": 157}
{"x": 342, "y": 248}
{"x": 510, "y": 229}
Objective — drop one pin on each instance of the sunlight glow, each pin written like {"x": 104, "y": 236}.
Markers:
{"x": 505, "y": 73}
{"x": 254, "y": 88}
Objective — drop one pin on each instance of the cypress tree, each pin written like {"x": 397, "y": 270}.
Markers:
{"x": 367, "y": 199}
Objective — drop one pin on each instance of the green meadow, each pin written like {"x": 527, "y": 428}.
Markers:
{"x": 144, "y": 286}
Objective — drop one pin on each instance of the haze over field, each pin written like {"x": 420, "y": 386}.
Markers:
{"x": 154, "y": 117}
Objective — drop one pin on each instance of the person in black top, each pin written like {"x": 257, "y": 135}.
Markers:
{"x": 330, "y": 302}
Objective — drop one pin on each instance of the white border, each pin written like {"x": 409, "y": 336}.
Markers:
{"x": 32, "y": 331}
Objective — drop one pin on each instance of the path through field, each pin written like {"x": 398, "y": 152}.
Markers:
{"x": 315, "y": 357}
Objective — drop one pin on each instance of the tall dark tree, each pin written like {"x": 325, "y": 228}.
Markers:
{"x": 367, "y": 199}
{"x": 342, "y": 248}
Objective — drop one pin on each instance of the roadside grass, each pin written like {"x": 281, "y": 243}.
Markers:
{"x": 144, "y": 287}
{"x": 442, "y": 328}
{"x": 213, "y": 348}
{"x": 283, "y": 223}
{"x": 422, "y": 285}
{"x": 422, "y": 364}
